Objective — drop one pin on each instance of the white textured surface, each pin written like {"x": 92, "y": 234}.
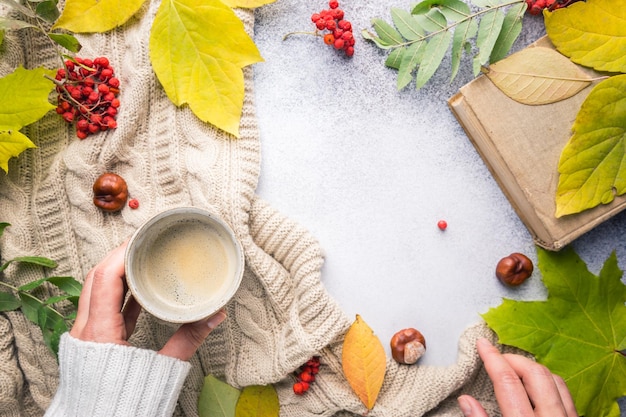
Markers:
{"x": 370, "y": 170}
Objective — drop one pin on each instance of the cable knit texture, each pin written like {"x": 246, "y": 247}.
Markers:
{"x": 281, "y": 315}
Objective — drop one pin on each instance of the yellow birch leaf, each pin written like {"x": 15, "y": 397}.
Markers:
{"x": 364, "y": 362}
{"x": 248, "y": 4}
{"x": 537, "y": 76}
{"x": 592, "y": 33}
{"x": 198, "y": 49}
{"x": 91, "y": 16}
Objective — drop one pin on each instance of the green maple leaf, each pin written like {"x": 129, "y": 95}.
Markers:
{"x": 579, "y": 332}
{"x": 23, "y": 100}
{"x": 198, "y": 49}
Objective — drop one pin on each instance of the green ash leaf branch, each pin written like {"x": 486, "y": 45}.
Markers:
{"x": 44, "y": 312}
{"x": 418, "y": 40}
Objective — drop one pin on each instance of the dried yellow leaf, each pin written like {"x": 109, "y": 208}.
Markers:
{"x": 364, "y": 362}
{"x": 537, "y": 76}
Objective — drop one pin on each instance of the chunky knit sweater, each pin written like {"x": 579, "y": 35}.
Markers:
{"x": 279, "y": 318}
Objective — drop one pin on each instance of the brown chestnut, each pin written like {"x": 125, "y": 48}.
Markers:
{"x": 110, "y": 192}
{"x": 407, "y": 346}
{"x": 514, "y": 269}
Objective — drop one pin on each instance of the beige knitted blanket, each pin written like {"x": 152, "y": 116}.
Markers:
{"x": 280, "y": 317}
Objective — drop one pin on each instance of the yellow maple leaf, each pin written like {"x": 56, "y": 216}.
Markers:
{"x": 364, "y": 362}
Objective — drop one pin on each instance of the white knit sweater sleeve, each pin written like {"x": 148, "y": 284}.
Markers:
{"x": 106, "y": 379}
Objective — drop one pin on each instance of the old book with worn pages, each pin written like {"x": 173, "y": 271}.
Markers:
{"x": 521, "y": 145}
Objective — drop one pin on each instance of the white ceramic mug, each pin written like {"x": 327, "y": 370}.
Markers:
{"x": 184, "y": 264}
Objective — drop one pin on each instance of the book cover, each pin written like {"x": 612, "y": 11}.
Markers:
{"x": 521, "y": 145}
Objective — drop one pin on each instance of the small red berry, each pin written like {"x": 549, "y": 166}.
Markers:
{"x": 315, "y": 17}
{"x": 333, "y": 4}
{"x": 442, "y": 224}
{"x": 350, "y": 51}
{"x": 339, "y": 43}
{"x": 133, "y": 203}
{"x": 300, "y": 387}
{"x": 329, "y": 39}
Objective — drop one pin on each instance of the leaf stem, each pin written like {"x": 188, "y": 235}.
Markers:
{"x": 316, "y": 33}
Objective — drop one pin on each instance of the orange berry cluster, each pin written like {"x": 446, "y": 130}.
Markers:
{"x": 87, "y": 95}
{"x": 535, "y": 7}
{"x": 306, "y": 375}
{"x": 339, "y": 33}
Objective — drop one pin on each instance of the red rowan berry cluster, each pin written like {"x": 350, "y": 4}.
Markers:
{"x": 87, "y": 95}
{"x": 339, "y": 33}
{"x": 306, "y": 375}
{"x": 535, "y": 7}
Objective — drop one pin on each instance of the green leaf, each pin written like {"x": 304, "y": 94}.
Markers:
{"x": 577, "y": 332}
{"x": 460, "y": 42}
{"x": 432, "y": 21}
{"x": 411, "y": 58}
{"x": 51, "y": 337}
{"x": 14, "y": 24}
{"x": 433, "y": 54}
{"x": 48, "y": 10}
{"x": 16, "y": 5}
{"x": 90, "y": 16}
{"x": 9, "y": 302}
{"x": 258, "y": 401}
{"x": 592, "y": 166}
{"x": 67, "y": 284}
{"x": 387, "y": 33}
{"x": 511, "y": 28}
{"x": 36, "y": 260}
{"x": 406, "y": 24}
{"x": 591, "y": 33}
{"x": 371, "y": 37}
{"x": 30, "y": 306}
{"x": 24, "y": 97}
{"x": 217, "y": 398}
{"x": 201, "y": 64}
{"x": 453, "y": 10}
{"x": 67, "y": 41}
{"x": 394, "y": 59}
{"x": 488, "y": 32}
{"x": 3, "y": 225}
{"x": 32, "y": 285}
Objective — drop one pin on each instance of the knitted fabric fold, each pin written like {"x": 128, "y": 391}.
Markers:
{"x": 281, "y": 315}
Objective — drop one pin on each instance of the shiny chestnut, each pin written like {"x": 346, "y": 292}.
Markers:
{"x": 514, "y": 269}
{"x": 110, "y": 192}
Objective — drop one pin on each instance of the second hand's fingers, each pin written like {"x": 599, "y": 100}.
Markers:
{"x": 510, "y": 392}
{"x": 540, "y": 386}
{"x": 471, "y": 407}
